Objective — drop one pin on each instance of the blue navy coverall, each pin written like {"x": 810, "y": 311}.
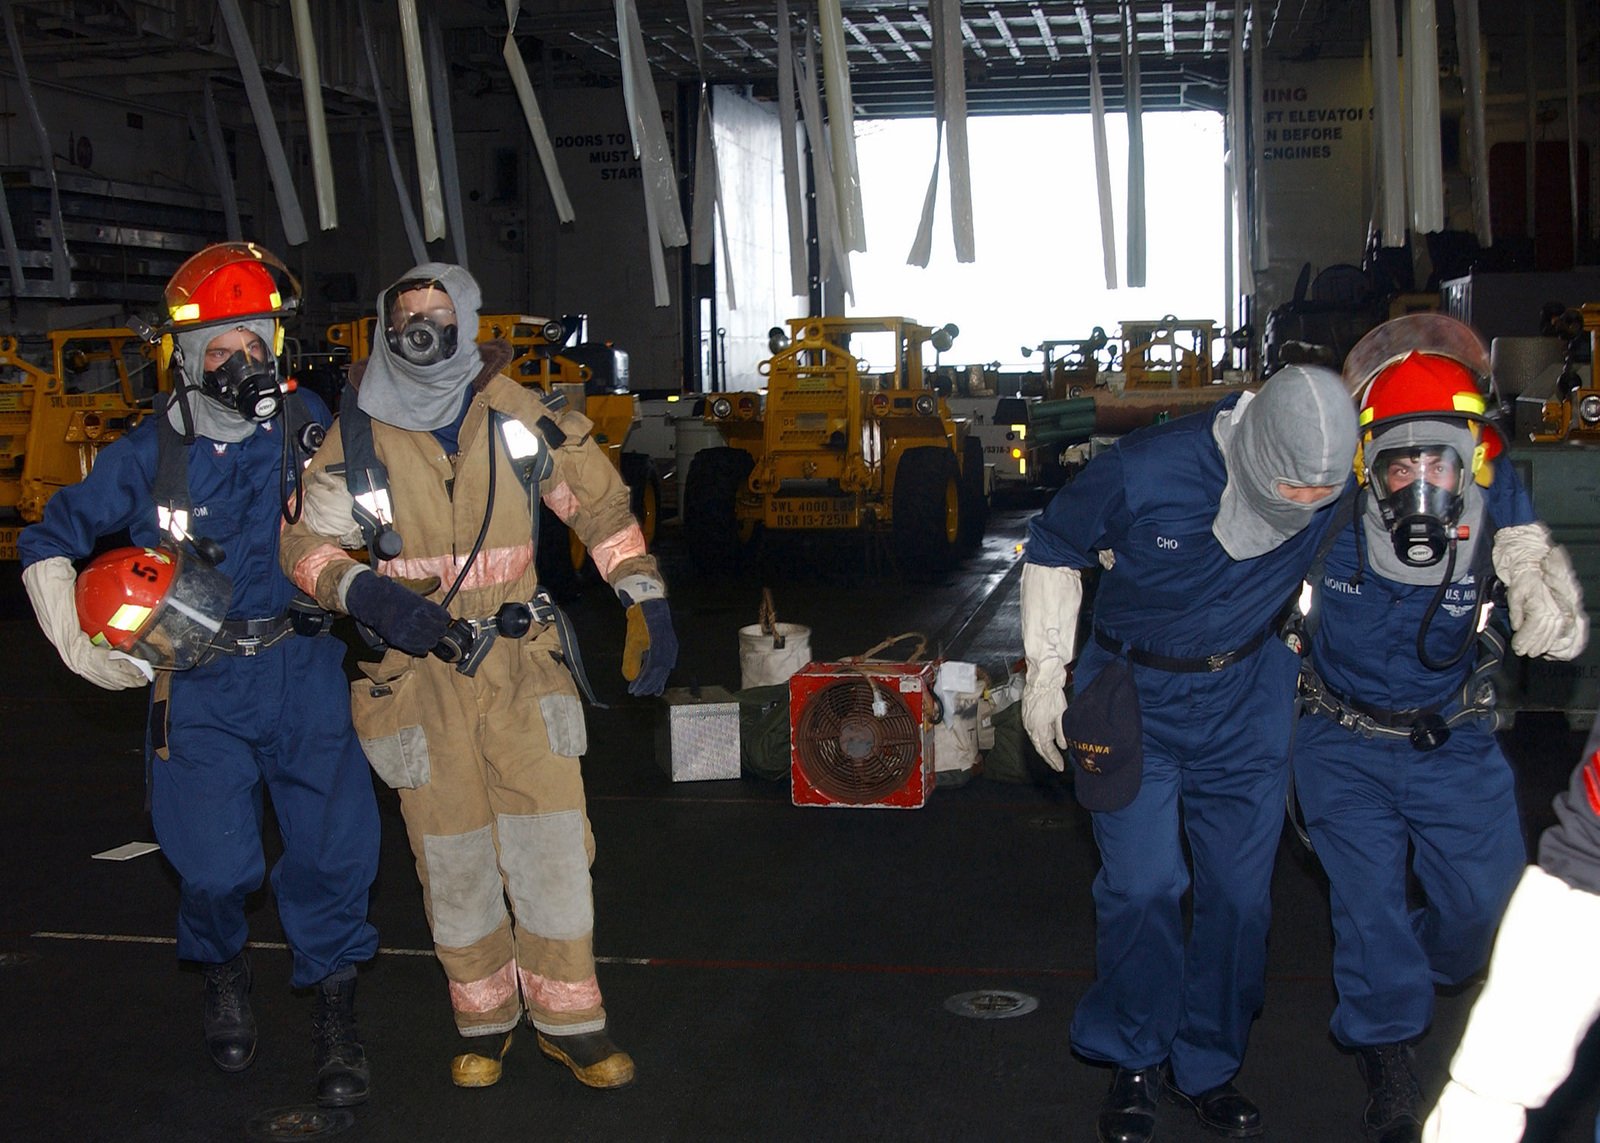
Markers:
{"x": 1368, "y": 799}
{"x": 1215, "y": 744}
{"x": 279, "y": 719}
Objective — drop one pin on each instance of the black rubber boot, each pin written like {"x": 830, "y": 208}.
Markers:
{"x": 1392, "y": 1094}
{"x": 341, "y": 1061}
{"x": 230, "y": 1026}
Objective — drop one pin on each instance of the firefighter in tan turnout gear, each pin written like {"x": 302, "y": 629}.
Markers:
{"x": 473, "y": 714}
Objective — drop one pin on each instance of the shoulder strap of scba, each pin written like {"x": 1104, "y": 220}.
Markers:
{"x": 368, "y": 479}
{"x": 171, "y": 485}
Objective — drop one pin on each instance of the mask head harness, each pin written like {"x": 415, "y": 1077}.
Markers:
{"x": 421, "y": 327}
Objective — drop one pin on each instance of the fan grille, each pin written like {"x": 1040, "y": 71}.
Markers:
{"x": 848, "y": 752}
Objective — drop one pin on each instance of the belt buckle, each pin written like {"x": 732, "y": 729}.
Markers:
{"x": 248, "y": 645}
{"x": 1216, "y": 662}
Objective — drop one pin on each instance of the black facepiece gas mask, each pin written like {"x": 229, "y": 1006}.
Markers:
{"x": 1420, "y": 489}
{"x": 248, "y": 386}
{"x": 422, "y": 326}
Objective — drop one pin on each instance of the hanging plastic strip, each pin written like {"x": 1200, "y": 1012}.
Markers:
{"x": 788, "y": 130}
{"x": 255, "y": 88}
{"x": 445, "y": 133}
{"x": 305, "y": 43}
{"x": 1469, "y": 50}
{"x": 709, "y": 209}
{"x": 532, "y": 115}
{"x": 1135, "y": 112}
{"x": 421, "y": 122}
{"x": 1102, "y": 154}
{"x": 1258, "y": 145}
{"x": 955, "y": 131}
{"x": 922, "y": 242}
{"x": 60, "y": 261}
{"x": 834, "y": 256}
{"x": 841, "y": 125}
{"x": 1388, "y": 124}
{"x": 217, "y": 149}
{"x": 663, "y": 213}
{"x": 1421, "y": 45}
{"x": 408, "y": 212}
{"x": 1237, "y": 164}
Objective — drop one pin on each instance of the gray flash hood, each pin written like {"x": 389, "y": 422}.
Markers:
{"x": 212, "y": 420}
{"x": 1300, "y": 429}
{"x": 424, "y": 397}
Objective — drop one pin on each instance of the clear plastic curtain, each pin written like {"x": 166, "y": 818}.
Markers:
{"x": 950, "y": 122}
{"x": 833, "y": 255}
{"x": 709, "y": 209}
{"x": 1236, "y": 163}
{"x": 218, "y": 152}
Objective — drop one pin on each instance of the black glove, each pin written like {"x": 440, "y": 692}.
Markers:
{"x": 401, "y": 617}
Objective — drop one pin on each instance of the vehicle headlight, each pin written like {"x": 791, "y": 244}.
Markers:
{"x": 1589, "y": 409}
{"x": 721, "y": 408}
{"x": 925, "y": 404}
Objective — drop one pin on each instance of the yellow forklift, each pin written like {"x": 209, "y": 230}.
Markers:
{"x": 55, "y": 419}
{"x": 850, "y": 435}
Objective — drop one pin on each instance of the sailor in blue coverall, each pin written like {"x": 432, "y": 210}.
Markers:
{"x": 269, "y": 711}
{"x": 1396, "y": 765}
{"x": 1205, "y": 527}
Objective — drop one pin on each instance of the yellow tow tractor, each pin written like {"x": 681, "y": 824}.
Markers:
{"x": 54, "y": 420}
{"x": 850, "y": 435}
{"x": 594, "y": 378}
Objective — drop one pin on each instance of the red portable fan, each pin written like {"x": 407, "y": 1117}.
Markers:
{"x": 861, "y": 734}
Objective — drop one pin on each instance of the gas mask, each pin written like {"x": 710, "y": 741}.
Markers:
{"x": 422, "y": 327}
{"x": 1420, "y": 491}
{"x": 246, "y": 385}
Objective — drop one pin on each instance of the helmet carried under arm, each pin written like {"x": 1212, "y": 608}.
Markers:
{"x": 156, "y": 604}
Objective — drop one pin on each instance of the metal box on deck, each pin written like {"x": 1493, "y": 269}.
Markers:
{"x": 697, "y": 734}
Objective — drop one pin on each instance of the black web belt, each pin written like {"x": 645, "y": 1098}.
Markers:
{"x": 1183, "y": 666}
{"x": 1388, "y": 719}
{"x": 248, "y": 636}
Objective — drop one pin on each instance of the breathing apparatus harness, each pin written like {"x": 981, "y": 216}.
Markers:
{"x": 302, "y": 436}
{"x": 1424, "y": 727}
{"x": 466, "y": 641}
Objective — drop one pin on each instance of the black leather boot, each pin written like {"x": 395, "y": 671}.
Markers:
{"x": 341, "y": 1061}
{"x": 1128, "y": 1112}
{"x": 1223, "y": 1109}
{"x": 1392, "y": 1093}
{"x": 230, "y": 1026}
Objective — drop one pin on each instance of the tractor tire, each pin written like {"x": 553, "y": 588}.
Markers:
{"x": 974, "y": 501}
{"x": 711, "y": 529}
{"x": 644, "y": 489}
{"x": 926, "y": 512}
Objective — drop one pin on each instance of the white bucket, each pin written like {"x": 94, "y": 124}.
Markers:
{"x": 763, "y": 665}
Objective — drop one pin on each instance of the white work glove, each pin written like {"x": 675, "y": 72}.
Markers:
{"x": 1542, "y": 592}
{"x": 327, "y": 508}
{"x": 1050, "y": 601}
{"x": 1541, "y": 996}
{"x": 50, "y": 586}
